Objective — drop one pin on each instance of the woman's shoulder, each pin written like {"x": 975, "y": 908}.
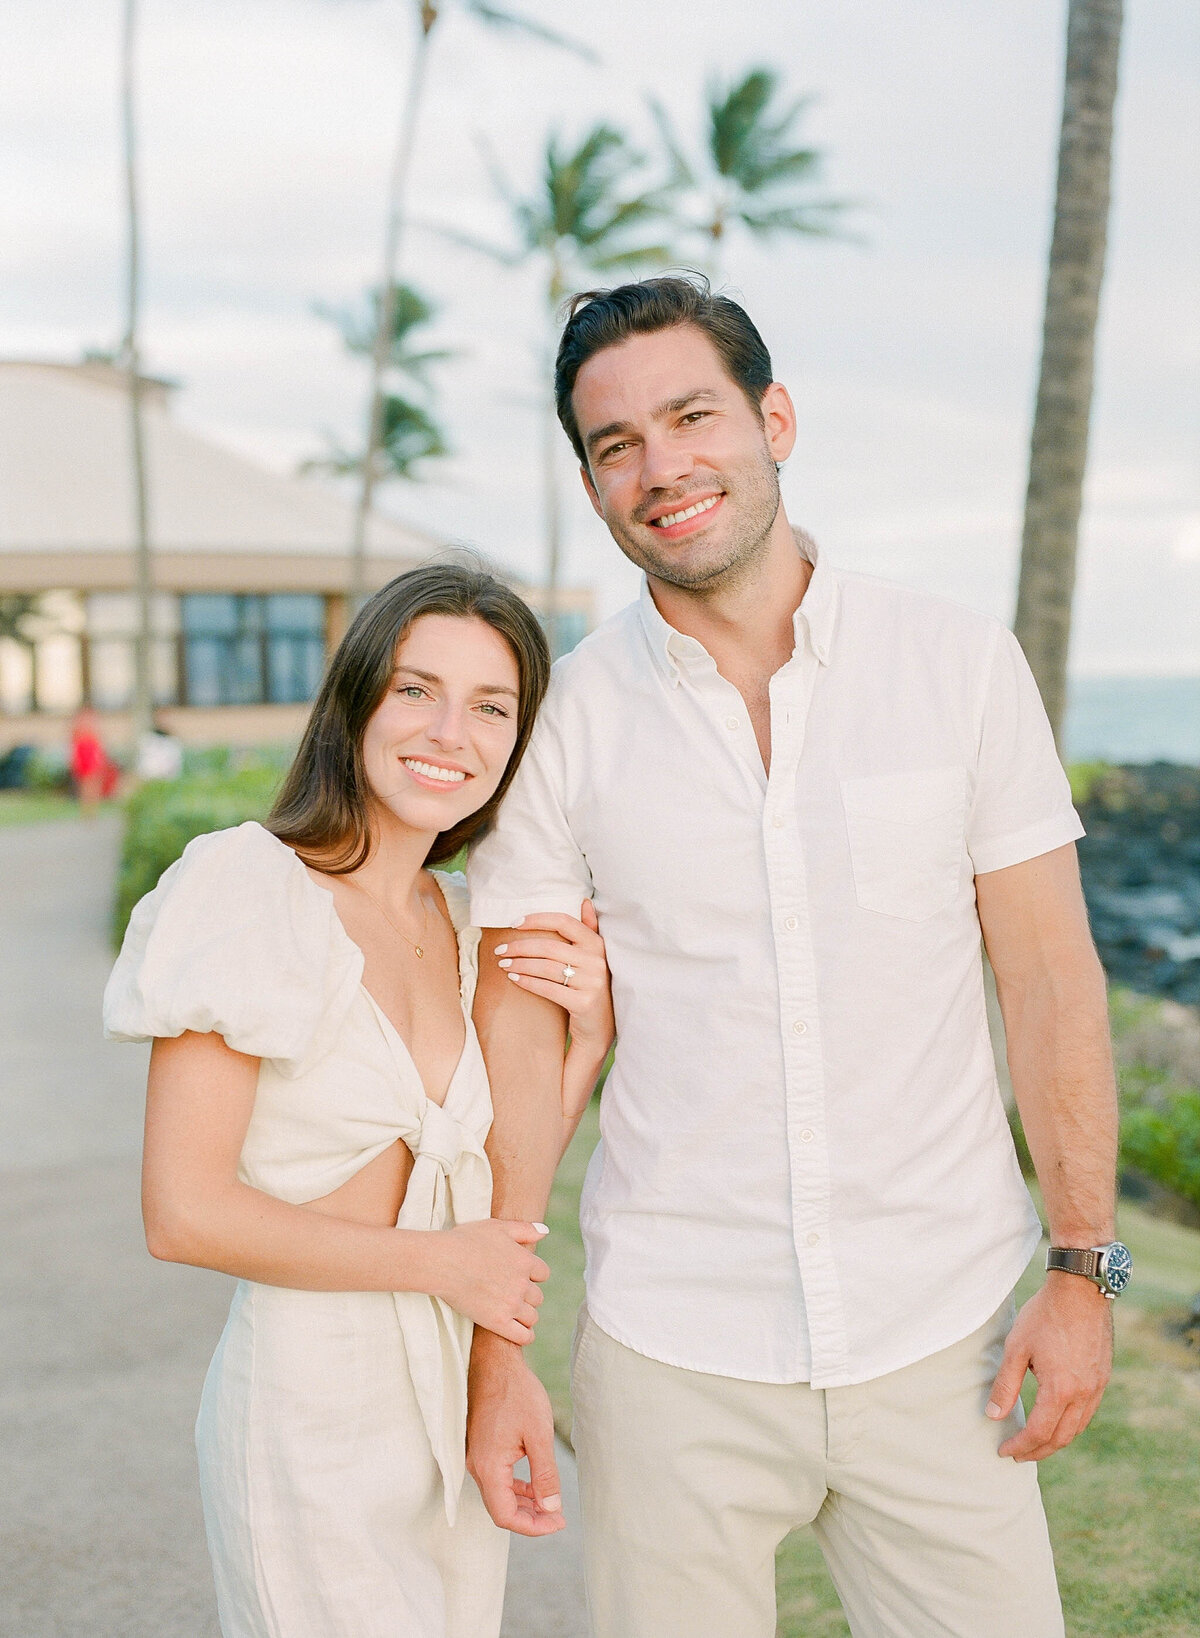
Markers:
{"x": 236, "y": 938}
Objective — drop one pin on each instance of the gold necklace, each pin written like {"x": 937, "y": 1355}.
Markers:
{"x": 424, "y": 919}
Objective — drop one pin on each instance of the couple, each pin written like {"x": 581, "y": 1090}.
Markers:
{"x": 794, "y": 799}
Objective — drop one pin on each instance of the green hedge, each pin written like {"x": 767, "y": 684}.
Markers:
{"x": 163, "y": 816}
{"x": 1160, "y": 1130}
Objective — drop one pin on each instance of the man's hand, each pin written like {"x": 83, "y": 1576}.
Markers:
{"x": 1064, "y": 1335}
{"x": 509, "y": 1418}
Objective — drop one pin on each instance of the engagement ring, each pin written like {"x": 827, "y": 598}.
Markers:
{"x": 568, "y": 974}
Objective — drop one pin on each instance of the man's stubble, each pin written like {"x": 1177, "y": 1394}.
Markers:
{"x": 752, "y": 501}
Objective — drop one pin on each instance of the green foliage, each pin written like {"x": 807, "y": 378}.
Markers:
{"x": 1160, "y": 1130}
{"x": 1085, "y": 779}
{"x": 411, "y": 433}
{"x": 163, "y": 816}
{"x": 753, "y": 173}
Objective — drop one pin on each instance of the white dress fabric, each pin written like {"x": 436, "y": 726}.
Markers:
{"x": 331, "y": 1433}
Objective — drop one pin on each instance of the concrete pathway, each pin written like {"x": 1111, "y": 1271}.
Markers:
{"x": 102, "y": 1350}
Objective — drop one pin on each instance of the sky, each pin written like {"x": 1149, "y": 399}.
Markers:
{"x": 912, "y": 353}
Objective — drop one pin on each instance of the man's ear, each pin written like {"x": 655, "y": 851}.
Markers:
{"x": 591, "y": 491}
{"x": 779, "y": 421}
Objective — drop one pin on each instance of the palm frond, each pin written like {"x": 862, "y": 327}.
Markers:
{"x": 468, "y": 241}
{"x": 682, "y": 175}
{"x": 820, "y": 220}
{"x": 520, "y": 24}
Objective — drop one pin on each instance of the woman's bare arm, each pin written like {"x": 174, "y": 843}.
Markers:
{"x": 199, "y": 1100}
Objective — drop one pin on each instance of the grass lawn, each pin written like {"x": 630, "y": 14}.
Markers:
{"x": 1123, "y": 1501}
{"x": 31, "y": 807}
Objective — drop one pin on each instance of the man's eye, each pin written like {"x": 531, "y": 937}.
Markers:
{"x": 695, "y": 415}
{"x": 613, "y": 449}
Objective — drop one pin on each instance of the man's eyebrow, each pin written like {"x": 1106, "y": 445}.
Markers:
{"x": 432, "y": 677}
{"x": 669, "y": 406}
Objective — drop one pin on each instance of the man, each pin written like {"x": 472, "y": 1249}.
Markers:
{"x": 796, "y": 797}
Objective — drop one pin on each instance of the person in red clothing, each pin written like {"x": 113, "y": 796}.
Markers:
{"x": 93, "y": 773}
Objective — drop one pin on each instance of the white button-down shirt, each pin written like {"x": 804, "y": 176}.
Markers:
{"x": 805, "y": 1172}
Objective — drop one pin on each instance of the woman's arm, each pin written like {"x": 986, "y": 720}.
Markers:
{"x": 199, "y": 1100}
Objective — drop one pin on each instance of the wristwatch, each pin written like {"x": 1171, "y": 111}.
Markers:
{"x": 1109, "y": 1266}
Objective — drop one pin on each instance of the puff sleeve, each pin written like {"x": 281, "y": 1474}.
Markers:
{"x": 238, "y": 940}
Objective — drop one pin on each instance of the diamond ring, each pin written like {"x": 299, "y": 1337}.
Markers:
{"x": 568, "y": 974}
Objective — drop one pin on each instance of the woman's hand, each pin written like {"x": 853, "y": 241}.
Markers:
{"x": 487, "y": 1272}
{"x": 563, "y": 959}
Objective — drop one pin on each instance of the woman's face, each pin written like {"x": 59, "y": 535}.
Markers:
{"x": 440, "y": 739}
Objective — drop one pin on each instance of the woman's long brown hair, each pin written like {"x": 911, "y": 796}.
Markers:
{"x": 323, "y": 808}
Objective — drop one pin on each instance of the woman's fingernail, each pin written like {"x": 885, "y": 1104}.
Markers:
{"x": 500, "y": 949}
{"x": 516, "y": 977}
{"x": 542, "y": 1228}
{"x": 506, "y": 964}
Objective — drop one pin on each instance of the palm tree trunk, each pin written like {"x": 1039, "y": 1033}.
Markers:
{"x": 381, "y": 352}
{"x": 143, "y": 704}
{"x": 1058, "y": 445}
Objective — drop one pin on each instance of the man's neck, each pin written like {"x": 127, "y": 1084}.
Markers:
{"x": 746, "y": 623}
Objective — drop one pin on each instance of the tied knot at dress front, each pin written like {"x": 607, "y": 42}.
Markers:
{"x": 331, "y": 1435}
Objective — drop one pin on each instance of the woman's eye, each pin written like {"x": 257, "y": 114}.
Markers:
{"x": 411, "y": 691}
{"x": 493, "y": 710}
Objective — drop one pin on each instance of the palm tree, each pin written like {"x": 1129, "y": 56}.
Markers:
{"x": 131, "y": 353}
{"x": 428, "y": 15}
{"x": 409, "y": 433}
{"x": 1058, "y": 444}
{"x": 591, "y": 213}
{"x": 752, "y": 174}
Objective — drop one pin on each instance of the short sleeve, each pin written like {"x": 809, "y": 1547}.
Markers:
{"x": 236, "y": 940}
{"x": 529, "y": 861}
{"x": 1022, "y": 800}
{"x": 458, "y": 902}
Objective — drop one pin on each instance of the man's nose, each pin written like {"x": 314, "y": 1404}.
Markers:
{"x": 664, "y": 464}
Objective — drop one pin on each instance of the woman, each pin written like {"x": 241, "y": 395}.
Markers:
{"x": 316, "y": 1111}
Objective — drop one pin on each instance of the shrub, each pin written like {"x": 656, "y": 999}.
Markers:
{"x": 163, "y": 816}
{"x": 1160, "y": 1131}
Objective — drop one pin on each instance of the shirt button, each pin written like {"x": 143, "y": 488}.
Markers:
{"x": 806, "y": 1136}
{"x": 799, "y": 1027}
{"x": 791, "y": 924}
{"x": 812, "y": 1239}
{"x": 731, "y": 722}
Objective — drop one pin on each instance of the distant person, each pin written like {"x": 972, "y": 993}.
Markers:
{"x": 94, "y": 775}
{"x": 159, "y": 754}
{"x": 797, "y": 798}
{"x": 316, "y": 1112}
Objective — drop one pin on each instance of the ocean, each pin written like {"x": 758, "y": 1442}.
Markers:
{"x": 1133, "y": 719}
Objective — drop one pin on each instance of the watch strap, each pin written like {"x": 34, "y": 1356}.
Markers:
{"x": 1072, "y": 1260}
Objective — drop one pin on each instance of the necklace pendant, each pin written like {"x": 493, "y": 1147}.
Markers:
{"x": 420, "y": 952}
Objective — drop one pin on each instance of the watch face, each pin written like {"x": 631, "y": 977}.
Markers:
{"x": 1116, "y": 1266}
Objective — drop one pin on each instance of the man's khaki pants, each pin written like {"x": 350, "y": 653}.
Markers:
{"x": 689, "y": 1483}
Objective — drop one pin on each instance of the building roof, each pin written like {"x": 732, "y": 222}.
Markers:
{"x": 65, "y": 483}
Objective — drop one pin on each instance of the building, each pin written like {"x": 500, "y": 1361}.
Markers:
{"x": 250, "y": 568}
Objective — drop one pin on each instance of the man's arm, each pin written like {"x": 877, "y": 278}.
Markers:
{"x": 524, "y": 1039}
{"x": 1052, "y": 995}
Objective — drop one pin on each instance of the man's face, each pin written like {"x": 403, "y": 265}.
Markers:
{"x": 679, "y": 466}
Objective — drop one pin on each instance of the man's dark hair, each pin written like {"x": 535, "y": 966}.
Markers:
{"x": 601, "y": 318}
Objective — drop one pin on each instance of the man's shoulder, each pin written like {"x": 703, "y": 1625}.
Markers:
{"x": 876, "y": 605}
{"x": 617, "y": 646}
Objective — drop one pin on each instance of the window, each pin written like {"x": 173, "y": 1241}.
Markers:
{"x": 246, "y": 650}
{"x": 112, "y": 621}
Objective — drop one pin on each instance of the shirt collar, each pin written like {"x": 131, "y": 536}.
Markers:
{"x": 816, "y": 618}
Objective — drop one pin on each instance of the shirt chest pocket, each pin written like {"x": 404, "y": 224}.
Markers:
{"x": 906, "y": 839}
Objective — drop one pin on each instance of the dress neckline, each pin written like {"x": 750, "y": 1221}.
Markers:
{"x": 391, "y": 1033}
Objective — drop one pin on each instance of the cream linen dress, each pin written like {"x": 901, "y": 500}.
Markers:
{"x": 332, "y": 1424}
